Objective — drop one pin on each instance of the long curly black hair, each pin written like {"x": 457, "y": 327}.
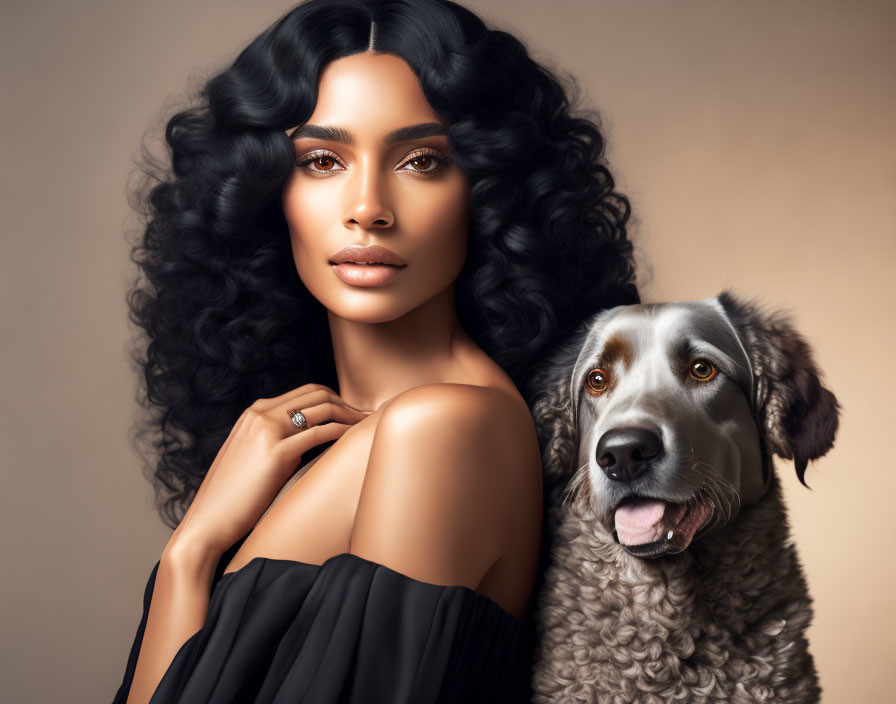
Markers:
{"x": 223, "y": 317}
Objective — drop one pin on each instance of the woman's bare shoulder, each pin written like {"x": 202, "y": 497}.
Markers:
{"x": 450, "y": 480}
{"x": 473, "y": 418}
{"x": 497, "y": 404}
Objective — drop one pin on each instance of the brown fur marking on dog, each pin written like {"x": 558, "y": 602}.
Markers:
{"x": 616, "y": 348}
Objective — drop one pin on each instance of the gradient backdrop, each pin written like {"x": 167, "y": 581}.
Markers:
{"x": 755, "y": 140}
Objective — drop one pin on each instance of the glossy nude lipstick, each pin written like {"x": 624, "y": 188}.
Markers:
{"x": 372, "y": 265}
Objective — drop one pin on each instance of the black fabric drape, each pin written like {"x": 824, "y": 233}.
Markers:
{"x": 350, "y": 630}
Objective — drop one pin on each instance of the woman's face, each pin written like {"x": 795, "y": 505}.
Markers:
{"x": 357, "y": 183}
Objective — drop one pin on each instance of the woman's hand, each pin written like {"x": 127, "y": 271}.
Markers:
{"x": 259, "y": 456}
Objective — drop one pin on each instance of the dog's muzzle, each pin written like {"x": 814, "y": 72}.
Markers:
{"x": 647, "y": 526}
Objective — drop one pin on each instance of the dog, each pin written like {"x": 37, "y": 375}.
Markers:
{"x": 667, "y": 570}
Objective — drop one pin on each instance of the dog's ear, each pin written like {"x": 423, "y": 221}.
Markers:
{"x": 797, "y": 416}
{"x": 554, "y": 402}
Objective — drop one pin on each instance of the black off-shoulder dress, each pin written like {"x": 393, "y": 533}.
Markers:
{"x": 349, "y": 630}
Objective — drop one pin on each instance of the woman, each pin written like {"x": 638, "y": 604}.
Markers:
{"x": 415, "y": 182}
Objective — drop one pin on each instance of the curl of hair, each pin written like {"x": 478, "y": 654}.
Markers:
{"x": 224, "y": 318}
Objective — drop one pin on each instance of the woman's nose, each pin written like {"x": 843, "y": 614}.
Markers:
{"x": 366, "y": 197}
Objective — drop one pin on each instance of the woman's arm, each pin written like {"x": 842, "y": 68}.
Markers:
{"x": 253, "y": 464}
{"x": 178, "y": 609}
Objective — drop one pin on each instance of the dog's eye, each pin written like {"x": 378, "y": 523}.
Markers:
{"x": 702, "y": 370}
{"x": 597, "y": 381}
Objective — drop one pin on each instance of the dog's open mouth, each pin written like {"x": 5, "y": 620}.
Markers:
{"x": 650, "y": 527}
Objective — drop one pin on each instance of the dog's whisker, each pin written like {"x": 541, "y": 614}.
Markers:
{"x": 719, "y": 481}
{"x": 574, "y": 487}
{"x": 722, "y": 492}
{"x": 724, "y": 499}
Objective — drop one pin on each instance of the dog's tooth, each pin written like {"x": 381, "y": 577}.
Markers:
{"x": 669, "y": 535}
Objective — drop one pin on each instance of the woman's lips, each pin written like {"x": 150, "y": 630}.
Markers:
{"x": 366, "y": 274}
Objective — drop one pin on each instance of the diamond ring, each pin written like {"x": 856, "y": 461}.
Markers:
{"x": 298, "y": 419}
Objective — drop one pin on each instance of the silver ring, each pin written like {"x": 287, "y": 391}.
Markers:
{"x": 298, "y": 419}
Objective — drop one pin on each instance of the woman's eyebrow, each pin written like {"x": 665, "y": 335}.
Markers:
{"x": 342, "y": 135}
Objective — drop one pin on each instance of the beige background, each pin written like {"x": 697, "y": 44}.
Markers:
{"x": 755, "y": 140}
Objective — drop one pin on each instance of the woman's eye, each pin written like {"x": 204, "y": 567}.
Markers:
{"x": 323, "y": 162}
{"x": 702, "y": 370}
{"x": 426, "y": 162}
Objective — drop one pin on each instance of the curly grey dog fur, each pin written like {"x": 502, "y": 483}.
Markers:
{"x": 725, "y": 619}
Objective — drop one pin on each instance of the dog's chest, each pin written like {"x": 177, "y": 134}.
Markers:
{"x": 614, "y": 627}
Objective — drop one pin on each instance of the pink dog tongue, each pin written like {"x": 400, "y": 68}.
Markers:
{"x": 644, "y": 521}
{"x": 640, "y": 521}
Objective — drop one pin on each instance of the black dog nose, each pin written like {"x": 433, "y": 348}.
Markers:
{"x": 625, "y": 453}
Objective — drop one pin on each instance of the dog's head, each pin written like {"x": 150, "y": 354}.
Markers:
{"x": 664, "y": 417}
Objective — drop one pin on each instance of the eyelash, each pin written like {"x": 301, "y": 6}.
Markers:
{"x": 441, "y": 161}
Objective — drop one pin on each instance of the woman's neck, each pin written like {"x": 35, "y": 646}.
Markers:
{"x": 377, "y": 361}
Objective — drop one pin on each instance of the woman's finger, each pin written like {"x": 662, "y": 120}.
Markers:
{"x": 291, "y": 448}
